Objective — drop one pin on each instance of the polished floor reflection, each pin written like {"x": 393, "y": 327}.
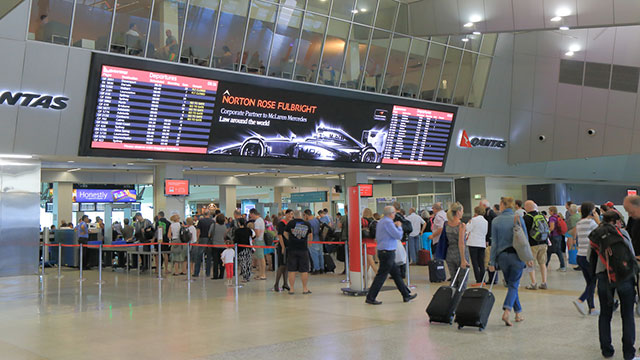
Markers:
{"x": 141, "y": 317}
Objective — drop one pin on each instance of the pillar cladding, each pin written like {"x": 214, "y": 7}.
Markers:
{"x": 168, "y": 204}
{"x": 228, "y": 199}
{"x": 62, "y": 203}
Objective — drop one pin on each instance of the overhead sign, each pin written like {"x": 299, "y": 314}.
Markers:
{"x": 632, "y": 192}
{"x": 309, "y": 197}
{"x": 475, "y": 141}
{"x": 366, "y": 190}
{"x": 33, "y": 100}
{"x": 104, "y": 195}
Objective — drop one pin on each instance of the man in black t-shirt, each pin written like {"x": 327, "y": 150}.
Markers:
{"x": 280, "y": 252}
{"x": 202, "y": 230}
{"x": 297, "y": 234}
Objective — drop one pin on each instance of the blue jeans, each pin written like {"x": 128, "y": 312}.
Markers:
{"x": 590, "y": 289}
{"x": 627, "y": 295}
{"x": 511, "y": 267}
{"x": 316, "y": 257}
{"x": 414, "y": 247}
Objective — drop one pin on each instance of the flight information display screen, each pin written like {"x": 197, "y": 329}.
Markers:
{"x": 138, "y": 109}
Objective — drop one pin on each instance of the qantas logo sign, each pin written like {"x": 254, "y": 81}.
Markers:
{"x": 467, "y": 142}
{"x": 33, "y": 100}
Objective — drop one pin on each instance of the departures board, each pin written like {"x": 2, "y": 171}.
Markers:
{"x": 138, "y": 108}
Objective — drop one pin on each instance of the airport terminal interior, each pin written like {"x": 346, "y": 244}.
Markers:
{"x": 298, "y": 179}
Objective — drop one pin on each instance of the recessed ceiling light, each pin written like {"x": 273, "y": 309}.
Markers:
{"x": 574, "y": 47}
{"x": 556, "y": 18}
{"x": 16, "y": 156}
{"x": 70, "y": 161}
{"x": 363, "y": 9}
{"x": 477, "y": 33}
{"x": 563, "y": 12}
{"x": 72, "y": 170}
{"x": 475, "y": 18}
{"x": 378, "y": 167}
{"x": 564, "y": 28}
{"x": 355, "y": 11}
{"x": 569, "y": 53}
{"x": 468, "y": 25}
{"x": 465, "y": 39}
{"x": 130, "y": 164}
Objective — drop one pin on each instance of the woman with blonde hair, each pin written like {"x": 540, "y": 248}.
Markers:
{"x": 369, "y": 239}
{"x": 178, "y": 252}
{"x": 454, "y": 230}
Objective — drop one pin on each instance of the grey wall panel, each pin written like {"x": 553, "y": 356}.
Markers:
{"x": 627, "y": 46}
{"x": 546, "y": 84}
{"x": 528, "y": 14}
{"x": 33, "y": 133}
{"x": 617, "y": 141}
{"x": 552, "y": 6}
{"x": 422, "y": 18}
{"x": 626, "y": 11}
{"x": 621, "y": 109}
{"x": 635, "y": 144}
{"x": 594, "y": 104}
{"x": 595, "y": 12}
{"x": 11, "y": 78}
{"x": 588, "y": 145}
{"x": 468, "y": 8}
{"x": 568, "y": 100}
{"x": 551, "y": 43}
{"x": 600, "y": 45}
{"x": 519, "y": 137}
{"x": 499, "y": 15}
{"x": 526, "y": 43}
{"x": 14, "y": 24}
{"x": 523, "y": 81}
{"x": 565, "y": 144}
{"x": 541, "y": 124}
{"x": 447, "y": 19}
{"x": 75, "y": 88}
{"x": 637, "y": 123}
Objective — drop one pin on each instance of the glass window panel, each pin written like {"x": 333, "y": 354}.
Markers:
{"x": 440, "y": 39}
{"x": 366, "y": 9}
{"x": 488, "y": 43}
{"x": 92, "y": 24}
{"x": 432, "y": 71}
{"x": 402, "y": 21}
{"x": 50, "y": 21}
{"x": 415, "y": 65}
{"x": 343, "y": 9}
{"x": 294, "y": 3}
{"x": 356, "y": 54}
{"x": 449, "y": 75}
{"x": 313, "y": 29}
{"x": 425, "y": 202}
{"x": 285, "y": 43}
{"x": 319, "y": 6}
{"x": 395, "y": 66}
{"x": 479, "y": 81}
{"x": 198, "y": 35}
{"x": 386, "y": 14}
{"x": 377, "y": 57}
{"x": 465, "y": 77}
{"x": 333, "y": 53}
{"x": 231, "y": 28}
{"x": 259, "y": 35}
{"x": 129, "y": 33}
{"x": 166, "y": 29}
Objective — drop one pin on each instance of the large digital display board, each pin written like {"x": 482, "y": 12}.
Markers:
{"x": 138, "y": 108}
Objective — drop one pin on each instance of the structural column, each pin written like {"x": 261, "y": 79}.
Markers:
{"x": 171, "y": 204}
{"x": 277, "y": 198}
{"x": 228, "y": 199}
{"x": 62, "y": 203}
{"x": 354, "y": 213}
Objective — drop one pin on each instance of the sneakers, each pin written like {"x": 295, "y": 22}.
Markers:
{"x": 582, "y": 309}
{"x": 564, "y": 269}
{"x": 594, "y": 312}
{"x": 531, "y": 287}
{"x": 542, "y": 286}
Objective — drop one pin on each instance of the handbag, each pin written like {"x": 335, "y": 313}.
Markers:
{"x": 521, "y": 241}
{"x": 401, "y": 254}
{"x": 443, "y": 244}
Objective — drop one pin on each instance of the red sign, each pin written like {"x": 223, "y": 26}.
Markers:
{"x": 176, "y": 187}
{"x": 464, "y": 141}
{"x": 366, "y": 190}
{"x": 632, "y": 192}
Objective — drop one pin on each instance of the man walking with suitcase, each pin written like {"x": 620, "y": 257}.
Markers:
{"x": 387, "y": 235}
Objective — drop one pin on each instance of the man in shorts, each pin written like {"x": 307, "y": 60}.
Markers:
{"x": 538, "y": 247}
{"x": 259, "y": 227}
{"x": 297, "y": 235}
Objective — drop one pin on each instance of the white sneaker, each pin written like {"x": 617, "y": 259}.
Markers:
{"x": 564, "y": 269}
{"x": 594, "y": 312}
{"x": 582, "y": 309}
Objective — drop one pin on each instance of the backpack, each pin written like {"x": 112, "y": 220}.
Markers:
{"x": 185, "y": 235}
{"x": 326, "y": 232}
{"x": 407, "y": 228}
{"x": 269, "y": 237}
{"x": 148, "y": 232}
{"x": 372, "y": 228}
{"x": 163, "y": 225}
{"x": 365, "y": 229}
{"x": 610, "y": 247}
{"x": 562, "y": 226}
{"x": 540, "y": 229}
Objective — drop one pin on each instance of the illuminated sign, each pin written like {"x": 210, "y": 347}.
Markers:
{"x": 176, "y": 187}
{"x": 33, "y": 100}
{"x": 632, "y": 192}
{"x": 366, "y": 190}
{"x": 475, "y": 141}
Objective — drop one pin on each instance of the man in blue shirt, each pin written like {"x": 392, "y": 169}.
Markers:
{"x": 315, "y": 249}
{"x": 387, "y": 235}
{"x": 83, "y": 238}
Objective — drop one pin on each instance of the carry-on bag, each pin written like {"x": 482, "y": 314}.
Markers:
{"x": 437, "y": 273}
{"x": 475, "y": 306}
{"x": 442, "y": 307}
{"x": 424, "y": 256}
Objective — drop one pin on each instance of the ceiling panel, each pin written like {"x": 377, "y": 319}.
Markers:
{"x": 635, "y": 144}
{"x": 600, "y": 45}
{"x": 621, "y": 109}
{"x": 565, "y": 146}
{"x": 627, "y": 45}
{"x": 528, "y": 14}
{"x": 626, "y": 11}
{"x": 546, "y": 85}
{"x": 617, "y": 141}
{"x": 520, "y": 134}
{"x": 590, "y": 146}
{"x": 469, "y": 9}
{"x": 594, "y": 104}
{"x": 595, "y": 12}
{"x": 447, "y": 16}
{"x": 556, "y": 7}
{"x": 541, "y": 125}
{"x": 523, "y": 80}
{"x": 499, "y": 15}
{"x": 568, "y": 100}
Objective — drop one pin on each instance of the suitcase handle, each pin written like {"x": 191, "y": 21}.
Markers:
{"x": 495, "y": 273}
{"x": 464, "y": 279}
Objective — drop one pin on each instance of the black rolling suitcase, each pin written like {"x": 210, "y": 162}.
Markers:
{"x": 475, "y": 306}
{"x": 442, "y": 307}
{"x": 329, "y": 265}
{"x": 437, "y": 272}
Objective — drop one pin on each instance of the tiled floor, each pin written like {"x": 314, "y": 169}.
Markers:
{"x": 140, "y": 317}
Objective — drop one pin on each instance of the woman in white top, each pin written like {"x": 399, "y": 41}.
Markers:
{"x": 194, "y": 240}
{"x": 178, "y": 252}
{"x": 584, "y": 227}
{"x": 477, "y": 229}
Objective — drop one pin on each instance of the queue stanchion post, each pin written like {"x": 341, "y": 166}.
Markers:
{"x": 235, "y": 266}
{"x": 59, "y": 261}
{"x": 275, "y": 258}
{"x": 346, "y": 262}
{"x": 81, "y": 279}
{"x": 189, "y": 261}
{"x": 42, "y": 261}
{"x": 406, "y": 251}
{"x": 366, "y": 268}
{"x": 159, "y": 263}
{"x": 100, "y": 282}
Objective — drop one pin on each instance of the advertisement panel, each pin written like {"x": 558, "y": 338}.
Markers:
{"x": 104, "y": 196}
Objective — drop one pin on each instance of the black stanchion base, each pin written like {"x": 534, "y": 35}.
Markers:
{"x": 354, "y": 292}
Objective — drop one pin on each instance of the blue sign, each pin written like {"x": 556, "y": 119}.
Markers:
{"x": 309, "y": 197}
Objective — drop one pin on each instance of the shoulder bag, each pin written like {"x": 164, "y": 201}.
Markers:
{"x": 521, "y": 241}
